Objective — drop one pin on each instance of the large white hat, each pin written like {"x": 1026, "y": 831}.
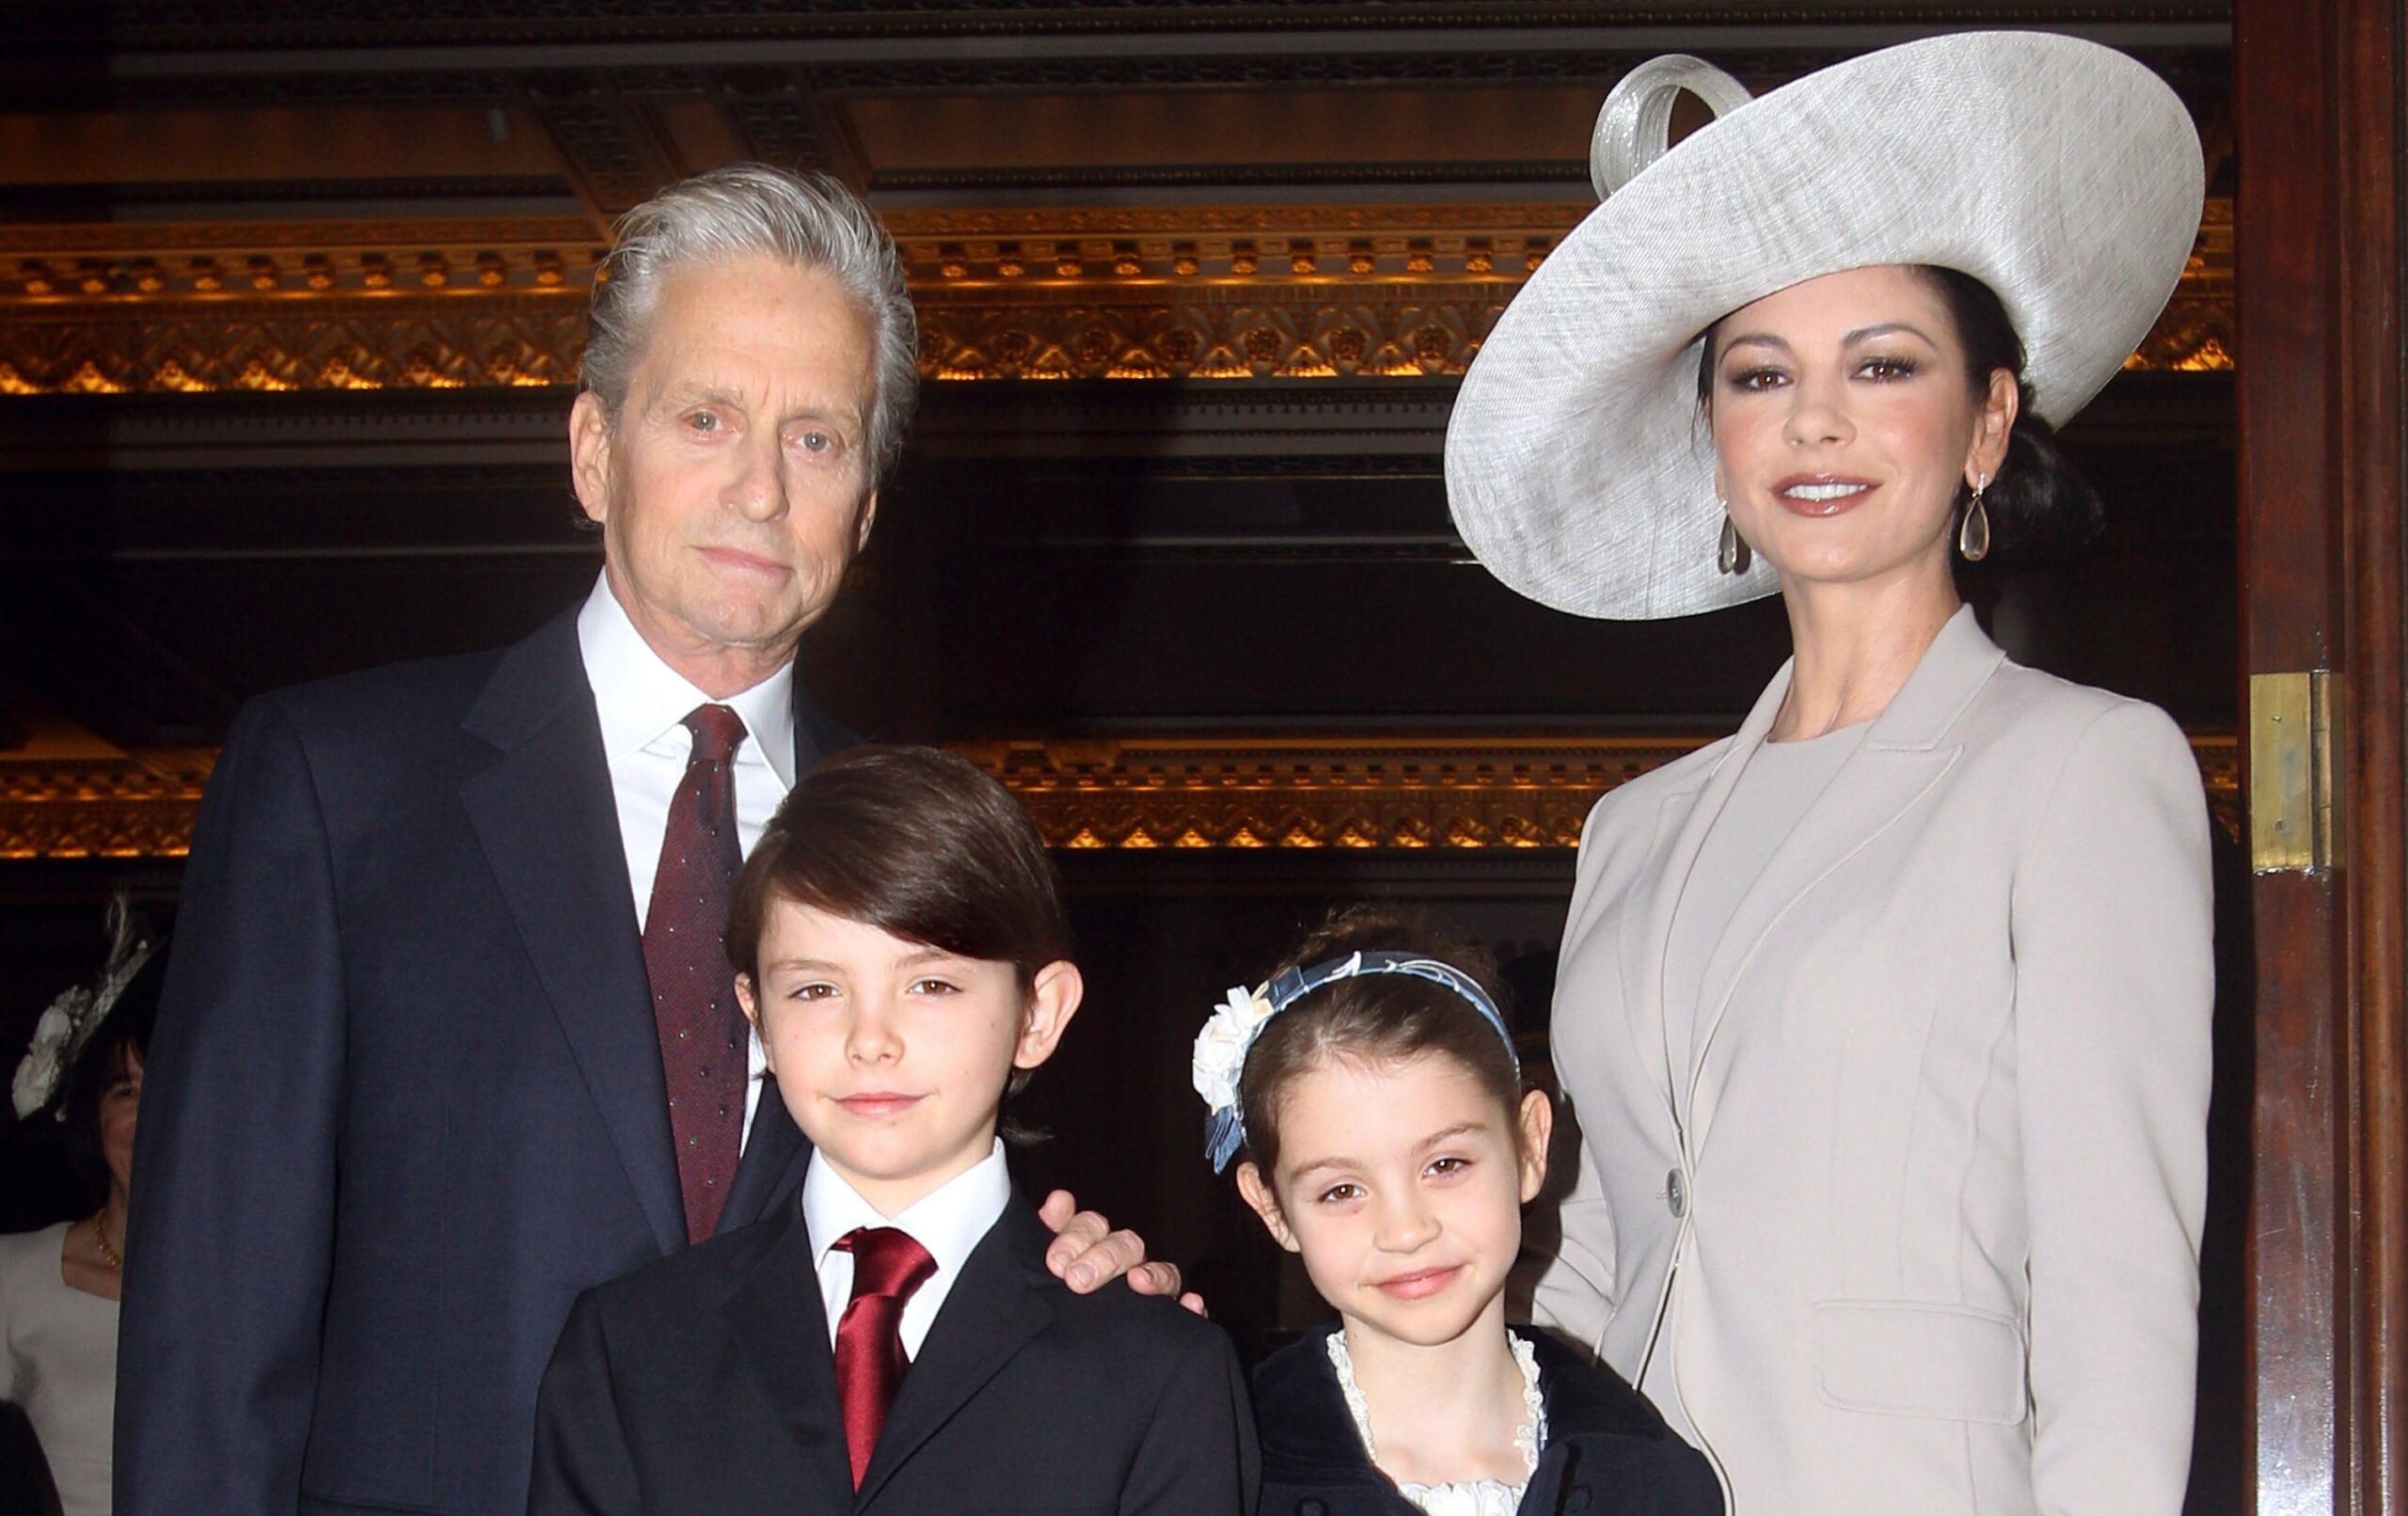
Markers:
{"x": 2062, "y": 174}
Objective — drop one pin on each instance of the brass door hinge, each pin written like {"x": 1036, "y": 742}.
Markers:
{"x": 2291, "y": 771}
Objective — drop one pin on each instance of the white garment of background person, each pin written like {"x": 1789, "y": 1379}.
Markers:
{"x": 58, "y": 1362}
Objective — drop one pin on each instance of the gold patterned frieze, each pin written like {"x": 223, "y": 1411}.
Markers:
{"x": 1090, "y": 794}
{"x": 1281, "y": 333}
{"x": 1302, "y": 792}
{"x": 134, "y": 805}
{"x": 271, "y": 344}
{"x": 1468, "y": 792}
{"x": 1095, "y": 294}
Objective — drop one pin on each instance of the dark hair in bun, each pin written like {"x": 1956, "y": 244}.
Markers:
{"x": 2039, "y": 501}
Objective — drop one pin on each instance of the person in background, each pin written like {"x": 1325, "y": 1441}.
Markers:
{"x": 60, "y": 1287}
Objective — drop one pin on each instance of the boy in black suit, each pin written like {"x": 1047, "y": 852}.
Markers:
{"x": 891, "y": 1340}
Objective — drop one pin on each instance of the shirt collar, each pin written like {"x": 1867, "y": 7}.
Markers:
{"x": 948, "y": 1220}
{"x": 638, "y": 697}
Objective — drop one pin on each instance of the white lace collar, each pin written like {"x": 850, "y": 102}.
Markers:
{"x": 1468, "y": 1497}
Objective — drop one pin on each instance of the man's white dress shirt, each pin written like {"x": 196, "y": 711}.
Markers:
{"x": 949, "y": 1221}
{"x": 644, "y": 704}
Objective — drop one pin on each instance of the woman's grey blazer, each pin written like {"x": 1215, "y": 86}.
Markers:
{"x": 1917, "y": 1229}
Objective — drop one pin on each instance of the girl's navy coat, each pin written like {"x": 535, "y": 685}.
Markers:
{"x": 1607, "y": 1451}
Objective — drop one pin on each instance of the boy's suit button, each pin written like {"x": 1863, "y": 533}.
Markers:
{"x": 1576, "y": 1498}
{"x": 1677, "y": 1194}
{"x": 1311, "y": 1508}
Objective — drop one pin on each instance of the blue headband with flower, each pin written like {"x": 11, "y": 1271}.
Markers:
{"x": 1228, "y": 1034}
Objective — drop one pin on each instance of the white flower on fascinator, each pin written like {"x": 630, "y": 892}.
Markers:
{"x": 1220, "y": 1047}
{"x": 70, "y": 1021}
{"x": 37, "y": 1072}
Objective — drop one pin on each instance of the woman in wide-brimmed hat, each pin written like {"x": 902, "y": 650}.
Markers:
{"x": 1885, "y": 1020}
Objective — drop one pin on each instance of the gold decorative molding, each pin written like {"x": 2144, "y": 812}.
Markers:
{"x": 296, "y": 342}
{"x": 186, "y": 249}
{"x": 2195, "y": 332}
{"x": 1284, "y": 333}
{"x": 1299, "y": 793}
{"x": 1117, "y": 293}
{"x": 137, "y": 805}
{"x": 1372, "y": 792}
{"x": 1382, "y": 791}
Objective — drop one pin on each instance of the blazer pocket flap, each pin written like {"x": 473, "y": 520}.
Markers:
{"x": 1907, "y": 1358}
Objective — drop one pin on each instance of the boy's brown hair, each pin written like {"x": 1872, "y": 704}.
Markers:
{"x": 917, "y": 842}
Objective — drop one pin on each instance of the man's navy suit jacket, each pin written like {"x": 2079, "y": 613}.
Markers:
{"x": 404, "y": 1100}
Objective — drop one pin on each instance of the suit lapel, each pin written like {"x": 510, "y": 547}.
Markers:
{"x": 817, "y": 733}
{"x": 1640, "y": 953}
{"x": 1003, "y": 1298}
{"x": 1903, "y": 755}
{"x": 777, "y": 1316}
{"x": 775, "y": 1155}
{"x": 545, "y": 815}
{"x": 1687, "y": 817}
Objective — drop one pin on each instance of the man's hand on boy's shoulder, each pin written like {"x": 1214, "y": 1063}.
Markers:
{"x": 1087, "y": 1253}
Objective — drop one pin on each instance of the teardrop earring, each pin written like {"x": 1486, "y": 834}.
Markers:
{"x": 1732, "y": 555}
{"x": 1974, "y": 532}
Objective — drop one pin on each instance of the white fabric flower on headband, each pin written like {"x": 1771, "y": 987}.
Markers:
{"x": 1220, "y": 1047}
{"x": 1230, "y": 1032}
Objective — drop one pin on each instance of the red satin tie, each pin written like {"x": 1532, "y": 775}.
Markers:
{"x": 888, "y": 1265}
{"x": 685, "y": 957}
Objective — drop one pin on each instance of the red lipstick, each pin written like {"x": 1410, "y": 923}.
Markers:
{"x": 1821, "y": 496}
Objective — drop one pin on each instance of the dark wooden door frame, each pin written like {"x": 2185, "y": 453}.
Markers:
{"x": 2319, "y": 103}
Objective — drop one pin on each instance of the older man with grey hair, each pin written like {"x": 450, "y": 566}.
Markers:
{"x": 449, "y": 1034}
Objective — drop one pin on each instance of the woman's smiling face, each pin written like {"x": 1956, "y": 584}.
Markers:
{"x": 1844, "y": 425}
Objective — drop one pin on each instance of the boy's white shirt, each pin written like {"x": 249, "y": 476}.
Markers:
{"x": 949, "y": 1221}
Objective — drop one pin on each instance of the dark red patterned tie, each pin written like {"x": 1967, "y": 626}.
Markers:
{"x": 685, "y": 956}
{"x": 888, "y": 1265}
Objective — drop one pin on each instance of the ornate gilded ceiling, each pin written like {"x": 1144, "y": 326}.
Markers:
{"x": 272, "y": 196}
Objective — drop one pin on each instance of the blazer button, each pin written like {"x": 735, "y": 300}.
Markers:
{"x": 1311, "y": 1508}
{"x": 1576, "y": 1498}
{"x": 1677, "y": 1194}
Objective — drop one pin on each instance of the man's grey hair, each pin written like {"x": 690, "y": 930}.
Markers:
{"x": 808, "y": 220}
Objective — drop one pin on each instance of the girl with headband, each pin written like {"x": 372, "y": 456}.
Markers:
{"x": 1372, "y": 1090}
{"x": 1886, "y": 1021}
